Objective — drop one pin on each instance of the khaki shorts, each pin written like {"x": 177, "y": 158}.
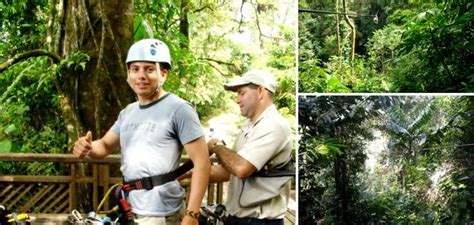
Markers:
{"x": 168, "y": 220}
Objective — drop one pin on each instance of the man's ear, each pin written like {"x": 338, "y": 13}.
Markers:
{"x": 261, "y": 92}
{"x": 128, "y": 78}
{"x": 164, "y": 75}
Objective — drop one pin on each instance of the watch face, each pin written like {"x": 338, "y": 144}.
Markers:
{"x": 217, "y": 143}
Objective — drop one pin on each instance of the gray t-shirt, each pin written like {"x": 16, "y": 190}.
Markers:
{"x": 151, "y": 139}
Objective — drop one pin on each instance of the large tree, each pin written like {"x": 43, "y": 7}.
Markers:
{"x": 91, "y": 99}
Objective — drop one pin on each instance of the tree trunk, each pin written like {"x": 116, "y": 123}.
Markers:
{"x": 184, "y": 23}
{"x": 103, "y": 30}
{"x": 353, "y": 30}
{"x": 92, "y": 99}
{"x": 342, "y": 190}
{"x": 339, "y": 48}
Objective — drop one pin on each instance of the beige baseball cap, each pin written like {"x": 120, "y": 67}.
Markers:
{"x": 258, "y": 77}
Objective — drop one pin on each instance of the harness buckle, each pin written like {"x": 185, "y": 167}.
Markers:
{"x": 138, "y": 185}
{"x": 146, "y": 183}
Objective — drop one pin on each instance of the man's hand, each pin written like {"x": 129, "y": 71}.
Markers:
{"x": 187, "y": 175}
{"x": 213, "y": 143}
{"x": 210, "y": 145}
{"x": 83, "y": 146}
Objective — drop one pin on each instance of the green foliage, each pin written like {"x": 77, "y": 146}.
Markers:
{"x": 75, "y": 61}
{"x": 414, "y": 47}
{"x": 382, "y": 47}
{"x": 30, "y": 119}
{"x": 22, "y": 25}
{"x": 441, "y": 39}
{"x": 423, "y": 173}
{"x": 313, "y": 78}
{"x": 330, "y": 129}
{"x": 282, "y": 60}
{"x": 458, "y": 207}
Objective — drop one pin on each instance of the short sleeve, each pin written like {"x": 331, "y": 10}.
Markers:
{"x": 186, "y": 124}
{"x": 118, "y": 123}
{"x": 263, "y": 142}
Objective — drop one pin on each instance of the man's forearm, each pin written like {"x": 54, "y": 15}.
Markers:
{"x": 98, "y": 150}
{"x": 233, "y": 162}
{"x": 199, "y": 181}
{"x": 219, "y": 174}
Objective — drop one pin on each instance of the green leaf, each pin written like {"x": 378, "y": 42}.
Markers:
{"x": 10, "y": 129}
{"x": 322, "y": 149}
{"x": 421, "y": 16}
{"x": 5, "y": 146}
{"x": 333, "y": 82}
{"x": 83, "y": 65}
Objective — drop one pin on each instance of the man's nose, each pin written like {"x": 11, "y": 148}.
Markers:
{"x": 237, "y": 100}
{"x": 141, "y": 74}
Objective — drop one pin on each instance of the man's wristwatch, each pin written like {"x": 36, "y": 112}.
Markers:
{"x": 218, "y": 143}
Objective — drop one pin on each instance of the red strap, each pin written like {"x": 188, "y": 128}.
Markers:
{"x": 127, "y": 188}
{"x": 126, "y": 208}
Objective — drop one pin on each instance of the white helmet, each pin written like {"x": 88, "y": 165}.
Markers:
{"x": 150, "y": 50}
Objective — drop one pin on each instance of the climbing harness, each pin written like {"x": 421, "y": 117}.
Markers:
{"x": 287, "y": 170}
{"x": 111, "y": 218}
{"x": 148, "y": 183}
{"x": 122, "y": 213}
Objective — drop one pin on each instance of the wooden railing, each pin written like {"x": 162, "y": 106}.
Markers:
{"x": 59, "y": 194}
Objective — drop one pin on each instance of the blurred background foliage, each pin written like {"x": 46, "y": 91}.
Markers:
{"x": 400, "y": 46}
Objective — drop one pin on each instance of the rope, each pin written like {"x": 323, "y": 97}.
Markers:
{"x": 107, "y": 196}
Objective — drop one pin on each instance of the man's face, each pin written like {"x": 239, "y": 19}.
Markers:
{"x": 247, "y": 98}
{"x": 143, "y": 77}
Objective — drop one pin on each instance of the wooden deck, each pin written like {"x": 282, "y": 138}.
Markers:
{"x": 290, "y": 217}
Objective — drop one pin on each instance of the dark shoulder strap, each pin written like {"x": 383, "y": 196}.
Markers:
{"x": 287, "y": 170}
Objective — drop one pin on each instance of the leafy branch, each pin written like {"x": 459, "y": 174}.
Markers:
{"x": 23, "y": 56}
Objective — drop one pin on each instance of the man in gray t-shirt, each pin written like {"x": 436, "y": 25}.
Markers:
{"x": 151, "y": 133}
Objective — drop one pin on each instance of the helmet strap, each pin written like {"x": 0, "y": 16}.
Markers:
{"x": 158, "y": 78}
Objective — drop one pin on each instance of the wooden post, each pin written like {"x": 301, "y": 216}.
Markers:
{"x": 220, "y": 193}
{"x": 105, "y": 171}
{"x": 72, "y": 189}
{"x": 95, "y": 191}
{"x": 210, "y": 193}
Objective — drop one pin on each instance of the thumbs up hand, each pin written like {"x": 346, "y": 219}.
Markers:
{"x": 83, "y": 145}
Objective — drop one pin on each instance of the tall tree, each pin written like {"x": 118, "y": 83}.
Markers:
{"x": 91, "y": 99}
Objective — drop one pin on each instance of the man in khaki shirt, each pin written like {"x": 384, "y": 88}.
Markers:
{"x": 264, "y": 143}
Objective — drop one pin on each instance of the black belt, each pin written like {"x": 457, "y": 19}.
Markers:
{"x": 148, "y": 183}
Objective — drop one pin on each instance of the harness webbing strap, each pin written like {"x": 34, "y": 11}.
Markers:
{"x": 149, "y": 182}
{"x": 287, "y": 170}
